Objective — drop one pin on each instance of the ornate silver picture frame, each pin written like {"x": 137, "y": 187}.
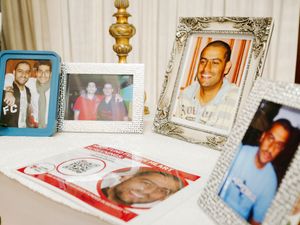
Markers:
{"x": 213, "y": 64}
{"x": 101, "y": 97}
{"x": 257, "y": 177}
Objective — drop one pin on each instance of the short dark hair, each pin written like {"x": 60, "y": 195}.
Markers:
{"x": 110, "y": 83}
{"x": 223, "y": 44}
{"x": 22, "y": 62}
{"x": 286, "y": 124}
{"x": 90, "y": 82}
{"x": 44, "y": 62}
{"x": 175, "y": 178}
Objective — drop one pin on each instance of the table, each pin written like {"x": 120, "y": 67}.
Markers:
{"x": 21, "y": 205}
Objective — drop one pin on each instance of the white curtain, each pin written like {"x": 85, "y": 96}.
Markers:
{"x": 78, "y": 31}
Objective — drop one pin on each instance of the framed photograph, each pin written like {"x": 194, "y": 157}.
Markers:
{"x": 213, "y": 64}
{"x": 256, "y": 180}
{"x": 29, "y": 83}
{"x": 102, "y": 97}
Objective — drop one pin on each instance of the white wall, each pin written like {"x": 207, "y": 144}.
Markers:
{"x": 78, "y": 31}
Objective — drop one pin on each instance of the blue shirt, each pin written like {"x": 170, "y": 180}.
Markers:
{"x": 248, "y": 188}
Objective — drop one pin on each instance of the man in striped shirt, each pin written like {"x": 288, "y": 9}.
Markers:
{"x": 212, "y": 99}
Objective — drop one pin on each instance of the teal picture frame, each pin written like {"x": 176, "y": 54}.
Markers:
{"x": 32, "y": 57}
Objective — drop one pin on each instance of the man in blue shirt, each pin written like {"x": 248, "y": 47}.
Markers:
{"x": 252, "y": 182}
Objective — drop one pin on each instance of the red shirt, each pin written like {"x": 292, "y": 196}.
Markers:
{"x": 87, "y": 107}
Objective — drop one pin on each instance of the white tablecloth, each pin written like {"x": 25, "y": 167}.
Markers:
{"x": 22, "y": 205}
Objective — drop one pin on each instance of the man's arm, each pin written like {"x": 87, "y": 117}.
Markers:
{"x": 77, "y": 107}
{"x": 9, "y": 79}
{"x": 9, "y": 97}
{"x": 30, "y": 118}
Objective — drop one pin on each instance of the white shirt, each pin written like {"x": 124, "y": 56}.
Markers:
{"x": 31, "y": 84}
{"x": 23, "y": 109}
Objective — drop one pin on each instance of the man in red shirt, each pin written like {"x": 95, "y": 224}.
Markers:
{"x": 85, "y": 107}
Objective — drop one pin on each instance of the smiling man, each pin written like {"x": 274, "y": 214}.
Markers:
{"x": 85, "y": 107}
{"x": 40, "y": 93}
{"x": 252, "y": 182}
{"x": 212, "y": 98}
{"x": 109, "y": 108}
{"x": 16, "y": 113}
{"x": 143, "y": 187}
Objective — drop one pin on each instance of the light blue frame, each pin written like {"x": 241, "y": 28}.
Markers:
{"x": 54, "y": 88}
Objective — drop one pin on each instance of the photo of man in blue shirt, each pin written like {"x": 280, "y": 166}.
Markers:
{"x": 252, "y": 181}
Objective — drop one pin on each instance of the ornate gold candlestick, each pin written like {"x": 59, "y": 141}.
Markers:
{"x": 122, "y": 31}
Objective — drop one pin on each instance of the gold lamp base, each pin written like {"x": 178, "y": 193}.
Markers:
{"x": 122, "y": 31}
{"x": 146, "y": 108}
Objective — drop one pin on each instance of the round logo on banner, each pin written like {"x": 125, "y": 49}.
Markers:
{"x": 39, "y": 168}
{"x": 81, "y": 166}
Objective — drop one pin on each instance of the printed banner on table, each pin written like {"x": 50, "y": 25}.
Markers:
{"x": 119, "y": 183}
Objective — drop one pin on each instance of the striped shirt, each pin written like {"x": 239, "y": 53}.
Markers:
{"x": 218, "y": 113}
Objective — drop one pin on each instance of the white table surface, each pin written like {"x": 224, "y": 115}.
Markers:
{"x": 21, "y": 205}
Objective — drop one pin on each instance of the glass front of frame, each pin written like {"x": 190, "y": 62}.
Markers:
{"x": 210, "y": 81}
{"x": 25, "y": 102}
{"x": 261, "y": 161}
{"x": 102, "y": 97}
{"x": 99, "y": 97}
{"x": 256, "y": 179}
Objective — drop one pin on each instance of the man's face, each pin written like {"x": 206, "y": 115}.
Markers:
{"x": 212, "y": 66}
{"x": 43, "y": 74}
{"x": 22, "y": 74}
{"x": 146, "y": 188}
{"x": 91, "y": 88}
{"x": 271, "y": 143}
{"x": 108, "y": 90}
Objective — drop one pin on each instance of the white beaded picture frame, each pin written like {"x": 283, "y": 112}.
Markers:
{"x": 75, "y": 79}
{"x": 212, "y": 200}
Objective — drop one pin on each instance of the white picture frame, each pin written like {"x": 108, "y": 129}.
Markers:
{"x": 76, "y": 78}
